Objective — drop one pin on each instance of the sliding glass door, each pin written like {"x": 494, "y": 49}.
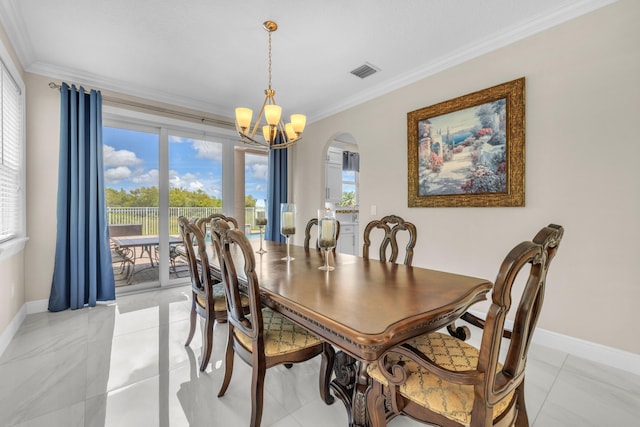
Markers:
{"x": 132, "y": 192}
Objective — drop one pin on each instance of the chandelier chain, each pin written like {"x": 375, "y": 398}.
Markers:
{"x": 269, "y": 59}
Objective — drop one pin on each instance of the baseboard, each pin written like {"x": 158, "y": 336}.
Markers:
{"x": 12, "y": 328}
{"x": 594, "y": 352}
{"x": 38, "y": 306}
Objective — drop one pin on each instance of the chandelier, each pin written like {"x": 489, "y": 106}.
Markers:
{"x": 276, "y": 134}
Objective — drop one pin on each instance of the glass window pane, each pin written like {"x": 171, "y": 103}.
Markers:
{"x": 131, "y": 187}
{"x": 256, "y": 168}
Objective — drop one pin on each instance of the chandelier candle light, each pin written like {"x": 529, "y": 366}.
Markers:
{"x": 261, "y": 221}
{"x": 287, "y": 224}
{"x": 326, "y": 235}
{"x": 275, "y": 133}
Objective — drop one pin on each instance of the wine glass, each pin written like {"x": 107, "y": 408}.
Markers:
{"x": 326, "y": 235}
{"x": 287, "y": 224}
{"x": 261, "y": 221}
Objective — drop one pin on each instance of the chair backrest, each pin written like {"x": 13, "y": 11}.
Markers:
{"x": 117, "y": 230}
{"x": 227, "y": 241}
{"x": 307, "y": 233}
{"x": 536, "y": 254}
{"x": 205, "y": 222}
{"x": 197, "y": 258}
{"x": 391, "y": 225}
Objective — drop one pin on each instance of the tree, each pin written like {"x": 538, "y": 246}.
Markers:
{"x": 249, "y": 201}
{"x": 348, "y": 198}
{"x": 148, "y": 197}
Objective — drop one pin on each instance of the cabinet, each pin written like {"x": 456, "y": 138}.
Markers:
{"x": 347, "y": 242}
{"x": 334, "y": 155}
{"x": 334, "y": 182}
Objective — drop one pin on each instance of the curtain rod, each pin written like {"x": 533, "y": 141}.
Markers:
{"x": 140, "y": 105}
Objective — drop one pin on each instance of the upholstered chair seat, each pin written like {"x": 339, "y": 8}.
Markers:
{"x": 281, "y": 336}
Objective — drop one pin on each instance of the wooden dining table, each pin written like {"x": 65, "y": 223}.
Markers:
{"x": 363, "y": 307}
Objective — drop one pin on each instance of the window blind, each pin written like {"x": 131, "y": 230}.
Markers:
{"x": 10, "y": 156}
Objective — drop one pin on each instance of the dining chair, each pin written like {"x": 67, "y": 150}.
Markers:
{"x": 307, "y": 233}
{"x": 124, "y": 258}
{"x": 441, "y": 380}
{"x": 391, "y": 225}
{"x": 208, "y": 300}
{"x": 263, "y": 338}
{"x": 204, "y": 223}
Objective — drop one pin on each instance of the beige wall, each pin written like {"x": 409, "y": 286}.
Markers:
{"x": 582, "y": 154}
{"x": 12, "y": 280}
{"x": 43, "y": 144}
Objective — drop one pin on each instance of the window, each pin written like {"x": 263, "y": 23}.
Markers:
{"x": 349, "y": 188}
{"x": 12, "y": 204}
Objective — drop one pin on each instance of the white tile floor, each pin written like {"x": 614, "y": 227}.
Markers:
{"x": 125, "y": 365}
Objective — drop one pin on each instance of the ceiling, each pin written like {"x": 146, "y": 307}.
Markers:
{"x": 211, "y": 55}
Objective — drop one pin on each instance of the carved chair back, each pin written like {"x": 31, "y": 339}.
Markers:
{"x": 307, "y": 233}
{"x": 391, "y": 225}
{"x": 205, "y": 222}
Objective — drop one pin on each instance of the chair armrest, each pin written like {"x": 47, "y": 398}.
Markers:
{"x": 478, "y": 322}
{"x": 395, "y": 373}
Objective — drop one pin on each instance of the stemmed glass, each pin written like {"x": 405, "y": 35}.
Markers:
{"x": 287, "y": 224}
{"x": 261, "y": 221}
{"x": 326, "y": 235}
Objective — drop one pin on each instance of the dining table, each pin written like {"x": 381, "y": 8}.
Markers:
{"x": 363, "y": 308}
{"x": 145, "y": 242}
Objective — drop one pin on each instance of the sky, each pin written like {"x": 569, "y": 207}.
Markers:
{"x": 131, "y": 161}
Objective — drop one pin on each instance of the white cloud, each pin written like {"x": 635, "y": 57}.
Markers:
{"x": 259, "y": 171}
{"x": 113, "y": 157}
{"x": 208, "y": 150}
{"x": 195, "y": 182}
{"x": 147, "y": 179}
{"x": 115, "y": 175}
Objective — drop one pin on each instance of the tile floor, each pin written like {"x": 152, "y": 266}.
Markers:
{"x": 124, "y": 364}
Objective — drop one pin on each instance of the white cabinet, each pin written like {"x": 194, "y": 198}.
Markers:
{"x": 347, "y": 241}
{"x": 334, "y": 183}
{"x": 334, "y": 156}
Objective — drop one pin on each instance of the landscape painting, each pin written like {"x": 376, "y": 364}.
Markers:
{"x": 469, "y": 151}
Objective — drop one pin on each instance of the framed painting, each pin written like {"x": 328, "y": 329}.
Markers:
{"x": 469, "y": 151}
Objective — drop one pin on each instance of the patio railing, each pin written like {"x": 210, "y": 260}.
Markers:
{"x": 148, "y": 216}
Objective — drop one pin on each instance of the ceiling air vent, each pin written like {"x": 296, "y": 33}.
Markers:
{"x": 365, "y": 70}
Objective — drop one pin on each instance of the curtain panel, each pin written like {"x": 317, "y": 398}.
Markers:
{"x": 277, "y": 192}
{"x": 82, "y": 271}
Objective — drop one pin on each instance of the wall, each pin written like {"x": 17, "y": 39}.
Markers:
{"x": 582, "y": 153}
{"x": 43, "y": 144}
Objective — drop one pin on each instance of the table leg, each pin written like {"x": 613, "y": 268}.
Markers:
{"x": 350, "y": 385}
{"x": 147, "y": 249}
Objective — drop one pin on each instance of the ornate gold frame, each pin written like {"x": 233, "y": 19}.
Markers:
{"x": 513, "y": 92}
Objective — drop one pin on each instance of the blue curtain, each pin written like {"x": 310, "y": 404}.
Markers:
{"x": 82, "y": 272}
{"x": 277, "y": 192}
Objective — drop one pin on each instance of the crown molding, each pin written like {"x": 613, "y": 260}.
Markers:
{"x": 536, "y": 24}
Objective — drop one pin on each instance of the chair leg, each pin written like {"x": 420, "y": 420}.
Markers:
{"x": 257, "y": 391}
{"x": 207, "y": 342}
{"x": 228, "y": 363}
{"x": 522, "y": 419}
{"x": 194, "y": 315}
{"x": 326, "y": 367}
{"x": 375, "y": 405}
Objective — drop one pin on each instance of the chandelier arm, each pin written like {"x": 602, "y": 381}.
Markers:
{"x": 256, "y": 125}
